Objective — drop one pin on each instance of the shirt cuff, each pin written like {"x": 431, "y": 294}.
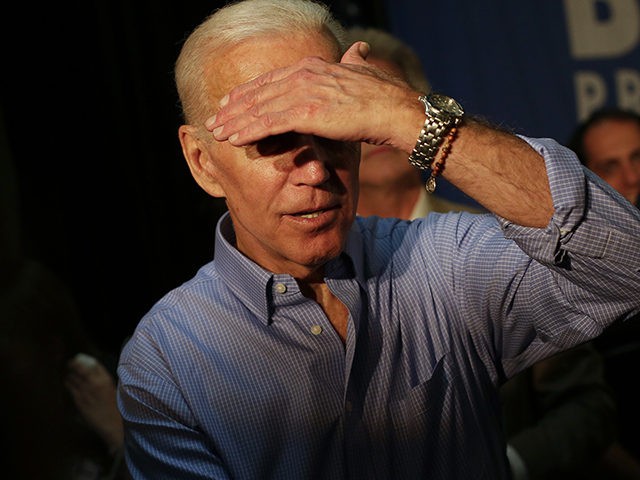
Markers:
{"x": 590, "y": 218}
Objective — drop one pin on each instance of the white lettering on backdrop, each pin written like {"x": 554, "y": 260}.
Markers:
{"x": 613, "y": 34}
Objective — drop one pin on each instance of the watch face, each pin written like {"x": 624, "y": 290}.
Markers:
{"x": 445, "y": 105}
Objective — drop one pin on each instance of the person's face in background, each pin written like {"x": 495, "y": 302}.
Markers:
{"x": 384, "y": 165}
{"x": 612, "y": 151}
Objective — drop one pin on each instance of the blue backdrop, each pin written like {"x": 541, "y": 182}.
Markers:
{"x": 535, "y": 66}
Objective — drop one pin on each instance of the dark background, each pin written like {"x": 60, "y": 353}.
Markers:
{"x": 93, "y": 184}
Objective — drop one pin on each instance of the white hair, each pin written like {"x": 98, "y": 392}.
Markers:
{"x": 236, "y": 22}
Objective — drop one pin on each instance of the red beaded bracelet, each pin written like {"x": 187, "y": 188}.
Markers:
{"x": 438, "y": 164}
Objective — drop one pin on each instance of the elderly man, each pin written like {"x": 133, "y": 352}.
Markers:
{"x": 321, "y": 345}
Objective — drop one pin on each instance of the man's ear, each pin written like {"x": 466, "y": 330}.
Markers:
{"x": 200, "y": 162}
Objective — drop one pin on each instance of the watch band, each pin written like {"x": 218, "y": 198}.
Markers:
{"x": 433, "y": 133}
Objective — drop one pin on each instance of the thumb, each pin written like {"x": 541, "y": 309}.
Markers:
{"x": 356, "y": 53}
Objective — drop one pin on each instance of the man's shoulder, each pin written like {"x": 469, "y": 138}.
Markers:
{"x": 199, "y": 292}
{"x": 185, "y": 311}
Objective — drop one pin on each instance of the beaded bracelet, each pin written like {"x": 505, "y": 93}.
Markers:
{"x": 438, "y": 164}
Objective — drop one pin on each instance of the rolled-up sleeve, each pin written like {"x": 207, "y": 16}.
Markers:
{"x": 593, "y": 238}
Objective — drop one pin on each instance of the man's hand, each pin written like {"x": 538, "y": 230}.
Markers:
{"x": 347, "y": 101}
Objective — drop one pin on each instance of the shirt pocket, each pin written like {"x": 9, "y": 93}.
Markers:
{"x": 428, "y": 431}
{"x": 423, "y": 400}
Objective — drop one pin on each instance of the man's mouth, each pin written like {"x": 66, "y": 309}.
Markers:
{"x": 314, "y": 214}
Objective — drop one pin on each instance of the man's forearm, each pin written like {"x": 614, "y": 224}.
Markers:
{"x": 502, "y": 172}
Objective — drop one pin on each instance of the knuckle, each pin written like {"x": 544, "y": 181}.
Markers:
{"x": 313, "y": 60}
{"x": 309, "y": 110}
{"x": 263, "y": 79}
{"x": 268, "y": 121}
{"x": 253, "y": 109}
{"x": 304, "y": 75}
{"x": 249, "y": 101}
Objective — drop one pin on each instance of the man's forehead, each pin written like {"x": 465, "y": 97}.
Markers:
{"x": 252, "y": 57}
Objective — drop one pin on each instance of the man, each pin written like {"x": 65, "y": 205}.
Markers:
{"x": 320, "y": 345}
{"x": 559, "y": 414}
{"x": 608, "y": 143}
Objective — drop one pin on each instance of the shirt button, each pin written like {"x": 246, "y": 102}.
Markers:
{"x": 281, "y": 288}
{"x": 316, "y": 329}
{"x": 348, "y": 406}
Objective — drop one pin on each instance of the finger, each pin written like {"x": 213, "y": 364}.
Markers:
{"x": 78, "y": 372}
{"x": 356, "y": 53}
{"x": 245, "y": 130}
{"x": 253, "y": 96}
{"x": 245, "y": 96}
{"x": 83, "y": 362}
{"x": 267, "y": 78}
{"x": 276, "y": 107}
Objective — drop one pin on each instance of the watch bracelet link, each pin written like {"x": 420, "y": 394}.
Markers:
{"x": 431, "y": 136}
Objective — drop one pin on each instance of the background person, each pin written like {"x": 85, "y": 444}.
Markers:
{"x": 46, "y": 434}
{"x": 389, "y": 185}
{"x": 93, "y": 389}
{"x": 608, "y": 144}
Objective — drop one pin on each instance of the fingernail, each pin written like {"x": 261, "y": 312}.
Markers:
{"x": 224, "y": 100}
{"x": 218, "y": 130}
{"x": 86, "y": 360}
{"x": 364, "y": 48}
{"x": 233, "y": 138}
{"x": 210, "y": 122}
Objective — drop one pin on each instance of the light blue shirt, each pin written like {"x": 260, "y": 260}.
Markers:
{"x": 235, "y": 374}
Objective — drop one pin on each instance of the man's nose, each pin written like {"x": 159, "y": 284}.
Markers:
{"x": 311, "y": 162}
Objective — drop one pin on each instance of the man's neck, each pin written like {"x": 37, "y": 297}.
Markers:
{"x": 333, "y": 308}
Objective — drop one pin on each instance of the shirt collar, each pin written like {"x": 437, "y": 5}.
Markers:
{"x": 422, "y": 206}
{"x": 256, "y": 287}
